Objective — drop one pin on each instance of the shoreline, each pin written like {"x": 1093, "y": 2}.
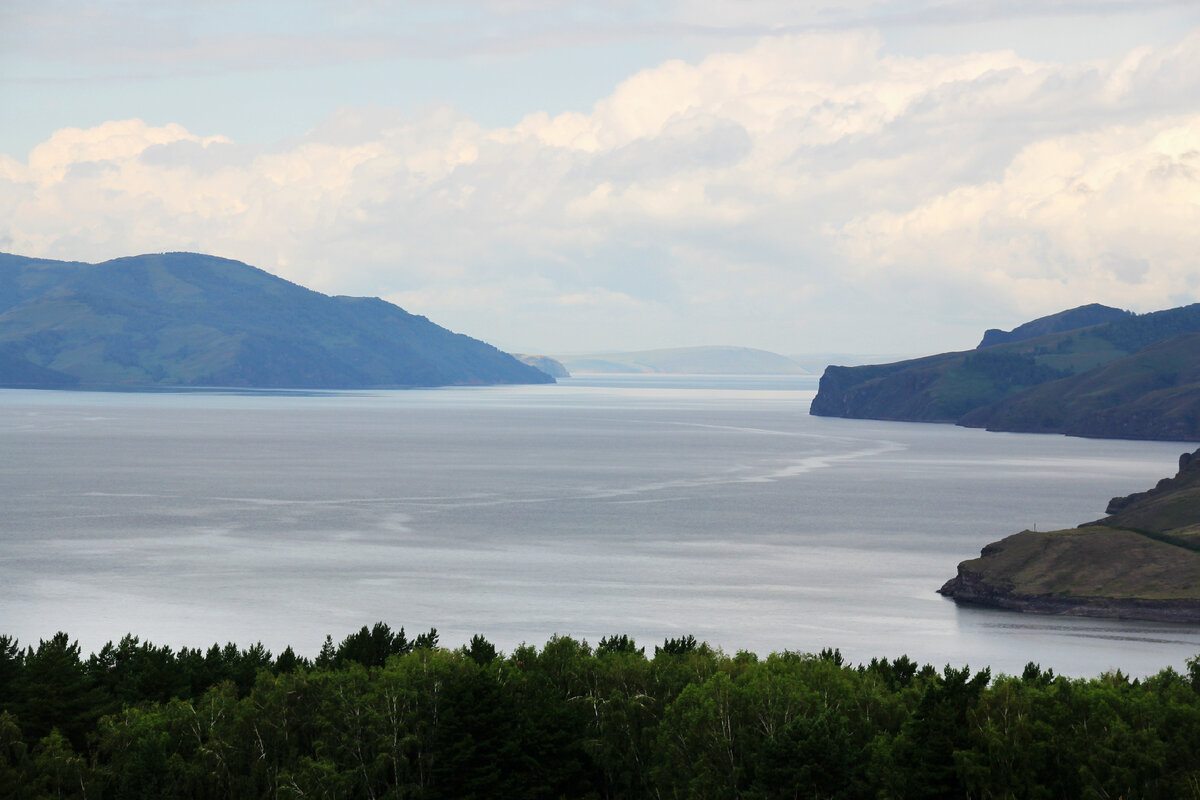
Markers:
{"x": 969, "y": 588}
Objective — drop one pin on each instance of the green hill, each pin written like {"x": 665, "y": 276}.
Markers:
{"x": 1140, "y": 562}
{"x": 1130, "y": 377}
{"x": 1069, "y": 320}
{"x": 185, "y": 319}
{"x": 1152, "y": 394}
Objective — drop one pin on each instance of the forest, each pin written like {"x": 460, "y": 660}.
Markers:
{"x": 379, "y": 715}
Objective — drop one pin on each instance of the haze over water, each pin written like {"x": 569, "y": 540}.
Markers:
{"x": 652, "y": 506}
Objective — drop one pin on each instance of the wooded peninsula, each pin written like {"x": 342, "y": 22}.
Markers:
{"x": 380, "y": 715}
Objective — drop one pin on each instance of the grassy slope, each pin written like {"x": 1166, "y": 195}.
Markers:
{"x": 1149, "y": 549}
{"x": 1090, "y": 562}
{"x": 1153, "y": 394}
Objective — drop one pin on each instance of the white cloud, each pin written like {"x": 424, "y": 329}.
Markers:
{"x": 745, "y": 198}
{"x": 597, "y": 297}
{"x": 1107, "y": 215}
{"x": 111, "y": 142}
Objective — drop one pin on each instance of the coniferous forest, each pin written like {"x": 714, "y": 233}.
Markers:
{"x": 380, "y": 715}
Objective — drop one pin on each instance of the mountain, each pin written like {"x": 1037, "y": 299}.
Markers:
{"x": 185, "y": 319}
{"x": 1140, "y": 562}
{"x": 687, "y": 361}
{"x": 815, "y": 363}
{"x": 1152, "y": 394}
{"x": 546, "y": 364}
{"x": 1072, "y": 319}
{"x": 1134, "y": 376}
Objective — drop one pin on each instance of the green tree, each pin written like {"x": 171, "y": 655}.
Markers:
{"x": 936, "y": 731}
{"x": 811, "y": 756}
{"x": 622, "y": 716}
{"x": 372, "y": 647}
{"x": 61, "y": 772}
{"x": 288, "y": 661}
{"x": 16, "y": 770}
{"x": 327, "y": 657}
{"x": 481, "y": 651}
{"x": 12, "y": 662}
{"x": 135, "y": 672}
{"x": 56, "y": 692}
{"x": 618, "y": 644}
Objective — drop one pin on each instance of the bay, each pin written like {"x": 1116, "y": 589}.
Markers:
{"x": 655, "y": 506}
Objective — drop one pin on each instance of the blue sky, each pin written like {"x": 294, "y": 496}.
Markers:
{"x": 885, "y": 177}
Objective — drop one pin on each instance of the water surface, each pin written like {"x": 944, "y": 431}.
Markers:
{"x": 652, "y": 506}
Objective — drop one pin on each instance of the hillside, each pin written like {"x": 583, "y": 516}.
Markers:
{"x": 1140, "y": 562}
{"x": 1152, "y": 394}
{"x": 1131, "y": 377}
{"x": 1069, "y": 320}
{"x": 687, "y": 361}
{"x": 185, "y": 319}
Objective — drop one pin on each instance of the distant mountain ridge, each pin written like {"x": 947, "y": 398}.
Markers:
{"x": 1136, "y": 376}
{"x": 686, "y": 361}
{"x": 546, "y": 364}
{"x": 187, "y": 319}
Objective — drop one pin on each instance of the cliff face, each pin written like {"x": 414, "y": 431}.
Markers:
{"x": 1140, "y": 562}
{"x": 971, "y": 589}
{"x": 1171, "y": 504}
{"x": 904, "y": 390}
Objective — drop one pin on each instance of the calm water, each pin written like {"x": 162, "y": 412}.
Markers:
{"x": 649, "y": 506}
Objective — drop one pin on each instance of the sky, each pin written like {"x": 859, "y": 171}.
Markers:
{"x": 869, "y": 176}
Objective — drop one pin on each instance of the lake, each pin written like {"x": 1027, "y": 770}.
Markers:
{"x": 655, "y": 506}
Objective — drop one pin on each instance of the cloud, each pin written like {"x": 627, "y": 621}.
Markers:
{"x": 148, "y": 40}
{"x": 760, "y": 196}
{"x": 596, "y": 297}
{"x": 111, "y": 142}
{"x": 1109, "y": 214}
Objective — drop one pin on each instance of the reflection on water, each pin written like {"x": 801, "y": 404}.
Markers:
{"x": 653, "y": 506}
